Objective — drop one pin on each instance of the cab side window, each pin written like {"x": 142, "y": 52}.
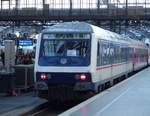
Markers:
{"x": 105, "y": 54}
{"x": 98, "y": 53}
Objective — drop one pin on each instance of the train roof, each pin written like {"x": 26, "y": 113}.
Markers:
{"x": 83, "y": 27}
{"x": 112, "y": 36}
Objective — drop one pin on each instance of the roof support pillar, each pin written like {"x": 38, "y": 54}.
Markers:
{"x": 70, "y": 6}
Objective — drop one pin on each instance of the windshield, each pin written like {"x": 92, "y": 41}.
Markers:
{"x": 65, "y": 48}
{"x": 66, "y": 52}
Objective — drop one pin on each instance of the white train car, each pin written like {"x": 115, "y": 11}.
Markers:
{"x": 83, "y": 57}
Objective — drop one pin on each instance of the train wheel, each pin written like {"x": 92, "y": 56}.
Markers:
{"x": 111, "y": 83}
{"x": 100, "y": 88}
{"x": 126, "y": 75}
{"x": 107, "y": 85}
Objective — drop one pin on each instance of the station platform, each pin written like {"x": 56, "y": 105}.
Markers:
{"x": 15, "y": 106}
{"x": 128, "y": 98}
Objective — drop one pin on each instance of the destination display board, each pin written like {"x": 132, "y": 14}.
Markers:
{"x": 66, "y": 36}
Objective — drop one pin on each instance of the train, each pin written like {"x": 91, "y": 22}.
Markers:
{"x": 78, "y": 57}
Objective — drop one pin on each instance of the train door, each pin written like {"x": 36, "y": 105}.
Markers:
{"x": 123, "y": 57}
{"x": 127, "y": 60}
{"x": 130, "y": 61}
{"x": 111, "y": 57}
{"x": 117, "y": 66}
{"x": 103, "y": 60}
{"x": 148, "y": 55}
{"x": 133, "y": 58}
{"x": 106, "y": 62}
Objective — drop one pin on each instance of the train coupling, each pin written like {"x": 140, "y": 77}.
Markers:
{"x": 84, "y": 86}
{"x": 41, "y": 86}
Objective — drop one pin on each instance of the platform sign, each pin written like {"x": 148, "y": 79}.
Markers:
{"x": 21, "y": 42}
{"x": 2, "y": 42}
{"x": 25, "y": 42}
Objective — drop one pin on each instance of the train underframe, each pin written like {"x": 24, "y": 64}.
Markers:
{"x": 66, "y": 92}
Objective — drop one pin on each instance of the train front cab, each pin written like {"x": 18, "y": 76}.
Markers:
{"x": 64, "y": 63}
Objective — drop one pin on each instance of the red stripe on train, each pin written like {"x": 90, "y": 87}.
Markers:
{"x": 113, "y": 65}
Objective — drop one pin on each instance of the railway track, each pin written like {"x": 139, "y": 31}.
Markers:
{"x": 47, "y": 112}
{"x": 50, "y": 110}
